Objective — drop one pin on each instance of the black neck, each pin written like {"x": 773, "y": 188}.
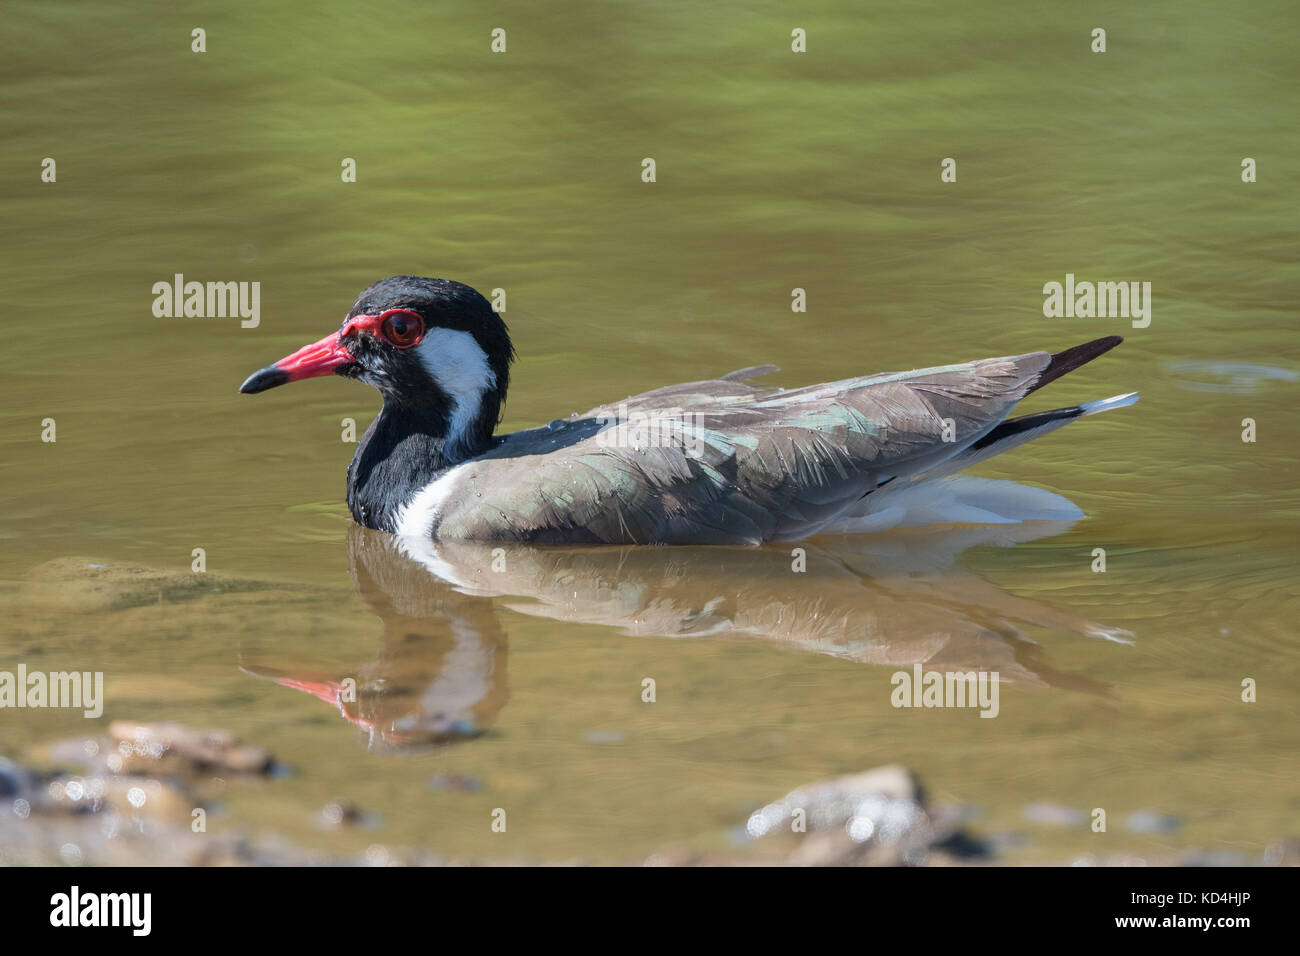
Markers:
{"x": 402, "y": 451}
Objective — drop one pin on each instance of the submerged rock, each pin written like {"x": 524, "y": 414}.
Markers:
{"x": 1054, "y": 815}
{"x": 1151, "y": 821}
{"x": 130, "y": 798}
{"x": 202, "y": 750}
{"x": 875, "y": 818}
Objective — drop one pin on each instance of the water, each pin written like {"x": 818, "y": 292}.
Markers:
{"x": 775, "y": 171}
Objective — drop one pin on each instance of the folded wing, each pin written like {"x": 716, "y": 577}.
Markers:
{"x": 722, "y": 462}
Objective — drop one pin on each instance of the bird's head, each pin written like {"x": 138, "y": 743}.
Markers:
{"x": 432, "y": 347}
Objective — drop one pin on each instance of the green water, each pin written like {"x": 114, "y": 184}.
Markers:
{"x": 775, "y": 170}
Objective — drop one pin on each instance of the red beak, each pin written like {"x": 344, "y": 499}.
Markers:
{"x": 310, "y": 361}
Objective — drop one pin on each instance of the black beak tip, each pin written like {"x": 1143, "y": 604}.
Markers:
{"x": 263, "y": 379}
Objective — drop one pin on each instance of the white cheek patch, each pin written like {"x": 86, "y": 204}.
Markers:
{"x": 454, "y": 360}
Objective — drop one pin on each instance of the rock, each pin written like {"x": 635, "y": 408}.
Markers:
{"x": 455, "y": 782}
{"x": 1054, "y": 814}
{"x": 1283, "y": 853}
{"x": 876, "y": 818}
{"x": 344, "y": 813}
{"x": 1149, "y": 821}
{"x": 14, "y": 780}
{"x": 144, "y": 744}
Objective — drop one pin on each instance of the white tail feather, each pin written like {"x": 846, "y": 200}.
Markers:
{"x": 1106, "y": 404}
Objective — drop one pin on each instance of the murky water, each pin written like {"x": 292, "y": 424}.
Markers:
{"x": 523, "y": 689}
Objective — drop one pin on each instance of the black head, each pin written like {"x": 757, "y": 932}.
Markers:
{"x": 433, "y": 347}
{"x": 403, "y": 362}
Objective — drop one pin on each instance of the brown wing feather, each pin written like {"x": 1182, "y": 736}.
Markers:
{"x": 744, "y": 465}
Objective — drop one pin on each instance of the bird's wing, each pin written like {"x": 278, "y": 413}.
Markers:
{"x": 720, "y": 462}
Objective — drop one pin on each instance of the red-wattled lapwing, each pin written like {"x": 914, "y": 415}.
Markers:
{"x": 725, "y": 463}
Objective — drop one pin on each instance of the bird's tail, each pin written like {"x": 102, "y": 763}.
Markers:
{"x": 1072, "y": 358}
{"x": 1016, "y": 431}
{"x": 935, "y": 497}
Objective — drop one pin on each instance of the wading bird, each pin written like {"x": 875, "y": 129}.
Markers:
{"x": 712, "y": 462}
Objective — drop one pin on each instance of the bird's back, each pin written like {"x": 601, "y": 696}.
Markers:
{"x": 720, "y": 461}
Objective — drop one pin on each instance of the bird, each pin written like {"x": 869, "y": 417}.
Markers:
{"x": 715, "y": 462}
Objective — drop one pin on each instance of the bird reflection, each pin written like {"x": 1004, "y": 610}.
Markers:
{"x": 440, "y": 675}
{"x": 893, "y": 599}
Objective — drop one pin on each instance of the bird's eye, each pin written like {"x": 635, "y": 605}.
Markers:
{"x": 403, "y": 329}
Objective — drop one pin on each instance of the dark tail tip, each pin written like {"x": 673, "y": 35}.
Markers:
{"x": 1070, "y": 359}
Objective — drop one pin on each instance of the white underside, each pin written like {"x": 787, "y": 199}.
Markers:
{"x": 956, "y": 500}
{"x": 415, "y": 519}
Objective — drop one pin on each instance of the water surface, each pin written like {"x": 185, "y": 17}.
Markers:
{"x": 775, "y": 171}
